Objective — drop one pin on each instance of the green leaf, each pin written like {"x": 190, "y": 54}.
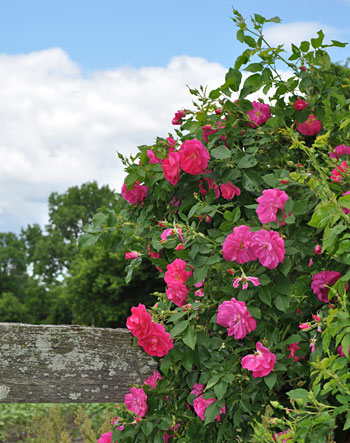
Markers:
{"x": 281, "y": 302}
{"x": 200, "y": 274}
{"x": 339, "y": 44}
{"x": 220, "y": 152}
{"x": 248, "y": 161}
{"x": 177, "y": 316}
{"x": 259, "y": 19}
{"x": 274, "y": 20}
{"x": 190, "y": 338}
{"x": 270, "y": 380}
{"x": 248, "y": 40}
{"x": 211, "y": 412}
{"x": 324, "y": 214}
{"x": 178, "y": 328}
{"x": 265, "y": 296}
{"x": 166, "y": 364}
{"x": 147, "y": 427}
{"x": 240, "y": 35}
{"x": 345, "y": 201}
{"x": 346, "y": 344}
{"x": 304, "y": 46}
{"x": 132, "y": 266}
{"x": 220, "y": 389}
{"x": 194, "y": 209}
{"x": 233, "y": 79}
{"x": 251, "y": 181}
{"x": 298, "y": 393}
{"x": 86, "y": 240}
{"x": 252, "y": 84}
{"x": 317, "y": 42}
{"x": 254, "y": 67}
{"x": 215, "y": 93}
{"x": 347, "y": 422}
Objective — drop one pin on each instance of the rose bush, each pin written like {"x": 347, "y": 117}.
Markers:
{"x": 243, "y": 192}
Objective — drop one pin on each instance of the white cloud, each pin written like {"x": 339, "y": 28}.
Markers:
{"x": 296, "y": 32}
{"x": 60, "y": 128}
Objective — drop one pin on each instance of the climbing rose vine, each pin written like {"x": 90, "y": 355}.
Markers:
{"x": 244, "y": 211}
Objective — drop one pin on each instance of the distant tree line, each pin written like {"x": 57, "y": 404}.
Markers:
{"x": 46, "y": 279}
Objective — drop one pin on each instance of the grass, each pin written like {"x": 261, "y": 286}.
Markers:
{"x": 54, "y": 423}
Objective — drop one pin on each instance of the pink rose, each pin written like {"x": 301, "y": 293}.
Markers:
{"x": 237, "y": 246}
{"x": 245, "y": 281}
{"x": 300, "y": 104}
{"x": 200, "y": 405}
{"x": 259, "y": 115}
{"x": 171, "y": 142}
{"x": 176, "y": 272}
{"x": 140, "y": 322}
{"x": 340, "y": 150}
{"x": 177, "y": 293}
{"x": 105, "y": 438}
{"x": 228, "y": 190}
{"x": 208, "y": 130}
{"x": 293, "y": 347}
{"x": 171, "y": 168}
{"x": 211, "y": 185}
{"x": 310, "y": 127}
{"x": 268, "y": 247}
{"x": 304, "y": 326}
{"x": 338, "y": 171}
{"x": 321, "y": 280}
{"x": 152, "y": 157}
{"x": 318, "y": 249}
{"x": 136, "y": 401}
{"x": 131, "y": 255}
{"x": 197, "y": 389}
{"x": 261, "y": 363}
{"x": 340, "y": 351}
{"x": 269, "y": 203}
{"x": 158, "y": 342}
{"x": 193, "y": 157}
{"x": 234, "y": 315}
{"x": 346, "y": 210}
{"x": 152, "y": 381}
{"x": 136, "y": 194}
{"x": 178, "y": 116}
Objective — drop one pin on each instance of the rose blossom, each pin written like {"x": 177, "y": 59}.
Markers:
{"x": 200, "y": 405}
{"x": 158, "y": 342}
{"x": 177, "y": 293}
{"x": 340, "y": 351}
{"x": 178, "y": 116}
{"x": 197, "y": 389}
{"x": 245, "y": 280}
{"x": 304, "y": 326}
{"x": 136, "y": 194}
{"x": 136, "y": 401}
{"x": 261, "y": 363}
{"x": 236, "y": 246}
{"x": 171, "y": 142}
{"x": 208, "y": 130}
{"x": 338, "y": 171}
{"x": 310, "y": 127}
{"x": 228, "y": 190}
{"x": 105, "y": 438}
{"x": 153, "y": 159}
{"x": 319, "y": 282}
{"x": 259, "y": 115}
{"x": 193, "y": 157}
{"x": 171, "y": 168}
{"x": 340, "y": 150}
{"x": 269, "y": 203}
{"x": 234, "y": 315}
{"x": 140, "y": 322}
{"x": 176, "y": 272}
{"x": 293, "y": 347}
{"x": 131, "y": 255}
{"x": 346, "y": 210}
{"x": 152, "y": 381}
{"x": 300, "y": 104}
{"x": 318, "y": 249}
{"x": 268, "y": 247}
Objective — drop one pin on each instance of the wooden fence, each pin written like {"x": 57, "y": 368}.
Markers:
{"x": 70, "y": 364}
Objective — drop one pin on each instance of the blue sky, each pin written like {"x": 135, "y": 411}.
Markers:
{"x": 80, "y": 80}
{"x": 109, "y": 33}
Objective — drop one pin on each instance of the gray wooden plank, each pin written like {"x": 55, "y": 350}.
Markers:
{"x": 53, "y": 364}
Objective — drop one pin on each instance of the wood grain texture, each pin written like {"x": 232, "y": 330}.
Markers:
{"x": 73, "y": 364}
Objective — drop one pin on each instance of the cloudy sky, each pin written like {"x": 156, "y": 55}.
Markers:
{"x": 82, "y": 79}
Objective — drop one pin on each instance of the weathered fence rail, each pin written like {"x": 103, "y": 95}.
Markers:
{"x": 77, "y": 364}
